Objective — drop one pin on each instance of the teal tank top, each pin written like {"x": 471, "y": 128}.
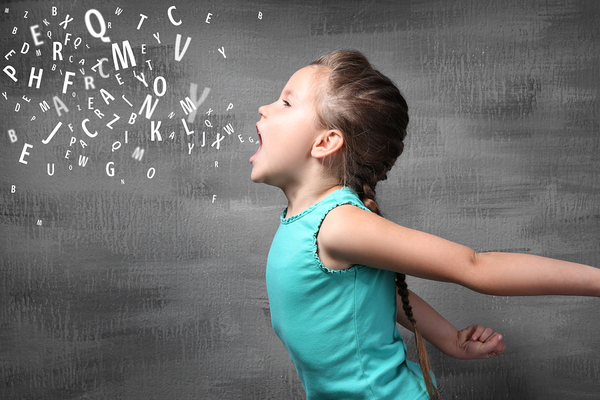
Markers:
{"x": 339, "y": 327}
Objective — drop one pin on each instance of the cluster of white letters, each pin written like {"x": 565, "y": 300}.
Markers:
{"x": 122, "y": 59}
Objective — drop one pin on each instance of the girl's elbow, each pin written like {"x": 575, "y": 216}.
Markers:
{"x": 476, "y": 277}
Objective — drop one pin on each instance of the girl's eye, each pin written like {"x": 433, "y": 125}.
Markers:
{"x": 286, "y": 103}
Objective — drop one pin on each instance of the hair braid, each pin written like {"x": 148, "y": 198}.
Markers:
{"x": 420, "y": 343}
{"x": 369, "y": 110}
{"x": 368, "y": 198}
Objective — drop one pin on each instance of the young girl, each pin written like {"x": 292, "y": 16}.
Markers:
{"x": 335, "y": 263}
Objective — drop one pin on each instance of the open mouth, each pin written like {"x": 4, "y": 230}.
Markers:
{"x": 259, "y": 147}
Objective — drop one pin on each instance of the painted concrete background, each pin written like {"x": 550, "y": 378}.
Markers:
{"x": 133, "y": 242}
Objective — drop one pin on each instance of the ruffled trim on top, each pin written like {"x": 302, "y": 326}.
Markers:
{"x": 296, "y": 217}
{"x": 310, "y": 209}
{"x": 314, "y": 248}
{"x": 335, "y": 203}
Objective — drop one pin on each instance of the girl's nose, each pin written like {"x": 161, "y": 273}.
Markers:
{"x": 261, "y": 110}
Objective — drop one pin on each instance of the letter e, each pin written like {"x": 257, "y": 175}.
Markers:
{"x": 25, "y": 153}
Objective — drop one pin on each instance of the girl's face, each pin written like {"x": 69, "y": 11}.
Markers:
{"x": 287, "y": 130}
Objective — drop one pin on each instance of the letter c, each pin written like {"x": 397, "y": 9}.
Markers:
{"x": 86, "y": 130}
{"x": 176, "y": 23}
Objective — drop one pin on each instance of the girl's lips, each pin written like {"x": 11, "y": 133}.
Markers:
{"x": 257, "y": 151}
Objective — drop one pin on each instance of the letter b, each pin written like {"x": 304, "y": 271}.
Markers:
{"x": 12, "y": 135}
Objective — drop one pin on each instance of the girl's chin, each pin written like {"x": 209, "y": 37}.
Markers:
{"x": 255, "y": 176}
{"x": 254, "y": 179}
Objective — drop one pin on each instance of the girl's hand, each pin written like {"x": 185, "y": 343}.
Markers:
{"x": 477, "y": 341}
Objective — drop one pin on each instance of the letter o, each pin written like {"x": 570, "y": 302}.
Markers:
{"x": 164, "y": 86}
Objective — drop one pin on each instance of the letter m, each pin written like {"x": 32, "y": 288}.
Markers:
{"x": 138, "y": 153}
{"x": 119, "y": 56}
{"x": 187, "y": 105}
{"x": 44, "y": 106}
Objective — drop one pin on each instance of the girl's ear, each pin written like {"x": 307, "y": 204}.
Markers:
{"x": 327, "y": 143}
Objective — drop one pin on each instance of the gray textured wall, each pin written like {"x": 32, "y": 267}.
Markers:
{"x": 149, "y": 284}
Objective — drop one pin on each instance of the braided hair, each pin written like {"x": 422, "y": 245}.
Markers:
{"x": 369, "y": 110}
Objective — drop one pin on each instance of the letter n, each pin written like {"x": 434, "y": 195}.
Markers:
{"x": 147, "y": 104}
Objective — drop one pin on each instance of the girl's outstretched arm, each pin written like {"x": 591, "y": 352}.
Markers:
{"x": 473, "y": 342}
{"x": 350, "y": 235}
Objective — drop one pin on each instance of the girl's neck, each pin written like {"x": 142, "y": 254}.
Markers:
{"x": 305, "y": 196}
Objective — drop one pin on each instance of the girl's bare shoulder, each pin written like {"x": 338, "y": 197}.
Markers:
{"x": 351, "y": 235}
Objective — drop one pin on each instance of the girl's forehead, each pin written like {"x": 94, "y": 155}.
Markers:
{"x": 304, "y": 82}
{"x": 301, "y": 77}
